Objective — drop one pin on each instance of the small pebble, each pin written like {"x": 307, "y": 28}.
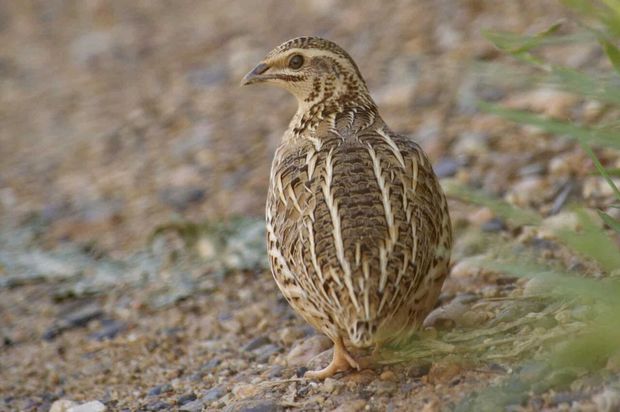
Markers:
{"x": 109, "y": 330}
{"x": 245, "y": 390}
{"x": 446, "y": 167}
{"x": 493, "y": 225}
{"x": 210, "y": 365}
{"x": 253, "y": 406}
{"x": 352, "y": 406}
{"x": 418, "y": 371}
{"x": 256, "y": 343}
{"x": 329, "y": 385}
{"x": 62, "y": 405}
{"x": 158, "y": 406}
{"x": 65, "y": 405}
{"x": 289, "y": 335}
{"x": 275, "y": 372}
{"x": 212, "y": 394}
{"x": 159, "y": 389}
{"x": 444, "y": 371}
{"x": 192, "y": 406}
{"x": 304, "y": 351}
{"x": 388, "y": 376}
{"x": 188, "y": 397}
{"x": 265, "y": 352}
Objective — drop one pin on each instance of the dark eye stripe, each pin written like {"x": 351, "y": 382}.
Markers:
{"x": 291, "y": 78}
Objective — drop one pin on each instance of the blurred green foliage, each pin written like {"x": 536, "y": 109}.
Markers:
{"x": 596, "y": 338}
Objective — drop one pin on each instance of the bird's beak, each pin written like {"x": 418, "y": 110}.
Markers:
{"x": 255, "y": 75}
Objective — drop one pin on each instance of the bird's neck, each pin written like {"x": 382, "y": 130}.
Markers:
{"x": 326, "y": 111}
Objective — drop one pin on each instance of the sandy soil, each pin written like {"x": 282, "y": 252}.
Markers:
{"x": 119, "y": 117}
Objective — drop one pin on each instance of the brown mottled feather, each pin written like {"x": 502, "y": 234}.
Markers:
{"x": 359, "y": 233}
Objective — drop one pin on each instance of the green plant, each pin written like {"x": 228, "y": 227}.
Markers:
{"x": 595, "y": 337}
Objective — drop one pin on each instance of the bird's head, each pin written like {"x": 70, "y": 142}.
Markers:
{"x": 313, "y": 70}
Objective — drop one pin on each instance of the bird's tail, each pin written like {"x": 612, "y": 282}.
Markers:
{"x": 362, "y": 333}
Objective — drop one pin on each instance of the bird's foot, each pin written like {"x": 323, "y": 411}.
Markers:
{"x": 341, "y": 361}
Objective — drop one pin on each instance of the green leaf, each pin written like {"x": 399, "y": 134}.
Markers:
{"x": 592, "y": 242}
{"x": 599, "y": 167}
{"x": 613, "y": 5}
{"x": 599, "y": 137}
{"x": 520, "y": 46}
{"x": 614, "y": 172}
{"x": 610, "y": 221}
{"x": 597, "y": 87}
{"x": 613, "y": 53}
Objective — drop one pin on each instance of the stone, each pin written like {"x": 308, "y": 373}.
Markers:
{"x": 329, "y": 385}
{"x": 180, "y": 198}
{"x": 548, "y": 101}
{"x": 471, "y": 144}
{"x": 444, "y": 371}
{"x": 275, "y": 371}
{"x": 363, "y": 377}
{"x": 158, "y": 405}
{"x": 77, "y": 318}
{"x": 62, "y": 405}
{"x": 417, "y": 371}
{"x": 254, "y": 406}
{"x": 527, "y": 191}
{"x": 213, "y": 394}
{"x": 92, "y": 406}
{"x": 188, "y": 397}
{"x": 265, "y": 352}
{"x": 450, "y": 314}
{"x": 446, "y": 167}
{"x": 562, "y": 221}
{"x": 245, "y": 390}
{"x": 289, "y": 335}
{"x": 388, "y": 376}
{"x": 562, "y": 197}
{"x": 256, "y": 343}
{"x": 431, "y": 406}
{"x": 304, "y": 351}
{"x": 110, "y": 328}
{"x": 210, "y": 365}
{"x": 193, "y": 406}
{"x": 493, "y": 225}
{"x": 351, "y": 406}
{"x": 159, "y": 389}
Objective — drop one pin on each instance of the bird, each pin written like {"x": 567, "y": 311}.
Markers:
{"x": 358, "y": 228}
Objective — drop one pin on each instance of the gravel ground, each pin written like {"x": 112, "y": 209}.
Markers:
{"x": 122, "y": 121}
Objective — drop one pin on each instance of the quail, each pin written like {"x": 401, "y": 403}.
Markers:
{"x": 358, "y": 229}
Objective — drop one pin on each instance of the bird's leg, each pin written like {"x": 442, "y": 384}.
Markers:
{"x": 341, "y": 361}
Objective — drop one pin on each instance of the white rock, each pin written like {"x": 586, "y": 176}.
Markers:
{"x": 597, "y": 186}
{"x": 62, "y": 405}
{"x": 527, "y": 190}
{"x": 66, "y": 405}
{"x": 92, "y": 406}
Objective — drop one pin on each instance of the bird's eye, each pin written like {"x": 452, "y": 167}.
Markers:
{"x": 296, "y": 61}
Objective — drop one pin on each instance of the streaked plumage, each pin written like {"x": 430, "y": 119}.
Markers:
{"x": 358, "y": 229}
